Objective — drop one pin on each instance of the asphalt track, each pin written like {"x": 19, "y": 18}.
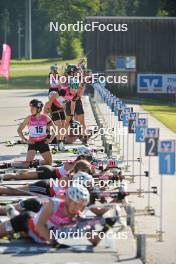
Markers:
{"x": 14, "y": 105}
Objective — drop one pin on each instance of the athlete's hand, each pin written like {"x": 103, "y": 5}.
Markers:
{"x": 27, "y": 141}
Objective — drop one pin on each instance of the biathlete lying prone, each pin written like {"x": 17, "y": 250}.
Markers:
{"x": 53, "y": 215}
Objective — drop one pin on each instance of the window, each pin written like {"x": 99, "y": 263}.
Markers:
{"x": 121, "y": 63}
{"x": 130, "y": 62}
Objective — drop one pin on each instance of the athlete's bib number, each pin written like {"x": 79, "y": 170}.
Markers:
{"x": 39, "y": 129}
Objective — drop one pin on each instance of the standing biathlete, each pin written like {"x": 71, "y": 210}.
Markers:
{"x": 52, "y": 80}
{"x": 56, "y": 108}
{"x": 37, "y": 126}
{"x": 75, "y": 90}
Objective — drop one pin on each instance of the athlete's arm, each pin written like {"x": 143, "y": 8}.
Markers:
{"x": 72, "y": 108}
{"x": 51, "y": 124}
{"x": 21, "y": 128}
{"x": 46, "y": 109}
{"x": 48, "y": 79}
{"x": 56, "y": 103}
{"x": 47, "y": 211}
{"x": 81, "y": 89}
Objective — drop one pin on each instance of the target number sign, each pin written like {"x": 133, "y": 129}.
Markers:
{"x": 132, "y": 122}
{"x": 141, "y": 125}
{"x": 167, "y": 157}
{"x": 126, "y": 111}
{"x": 151, "y": 141}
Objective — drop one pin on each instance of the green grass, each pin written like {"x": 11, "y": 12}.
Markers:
{"x": 40, "y": 62}
{"x": 164, "y": 113}
{"x": 30, "y": 78}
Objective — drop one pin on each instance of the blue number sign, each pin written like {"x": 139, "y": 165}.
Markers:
{"x": 167, "y": 157}
{"x": 132, "y": 122}
{"x": 126, "y": 111}
{"x": 141, "y": 125}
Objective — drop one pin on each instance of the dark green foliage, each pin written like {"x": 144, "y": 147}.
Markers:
{"x": 46, "y": 43}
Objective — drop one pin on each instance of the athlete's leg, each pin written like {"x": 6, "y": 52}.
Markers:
{"x": 81, "y": 119}
{"x": 61, "y": 132}
{"x": 67, "y": 121}
{"x": 28, "y": 175}
{"x": 44, "y": 150}
{"x": 79, "y": 114}
{"x": 7, "y": 191}
{"x": 20, "y": 164}
{"x": 29, "y": 157}
{"x": 69, "y": 113}
{"x": 47, "y": 157}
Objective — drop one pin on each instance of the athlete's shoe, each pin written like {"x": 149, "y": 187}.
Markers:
{"x": 61, "y": 146}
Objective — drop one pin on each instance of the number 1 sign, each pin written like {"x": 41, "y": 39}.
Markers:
{"x": 167, "y": 157}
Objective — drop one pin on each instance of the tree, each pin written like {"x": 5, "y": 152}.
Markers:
{"x": 167, "y": 8}
{"x": 5, "y": 23}
{"x": 70, "y": 11}
{"x": 113, "y": 8}
{"x": 70, "y": 46}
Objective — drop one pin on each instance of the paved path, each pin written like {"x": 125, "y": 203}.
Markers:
{"x": 14, "y": 105}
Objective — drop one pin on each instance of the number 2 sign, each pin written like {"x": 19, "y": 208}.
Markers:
{"x": 151, "y": 141}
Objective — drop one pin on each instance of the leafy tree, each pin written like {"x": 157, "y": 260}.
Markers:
{"x": 70, "y": 11}
{"x": 70, "y": 46}
{"x": 113, "y": 8}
